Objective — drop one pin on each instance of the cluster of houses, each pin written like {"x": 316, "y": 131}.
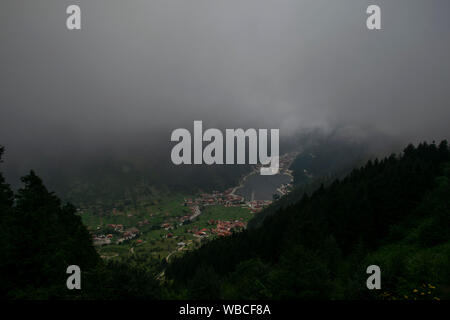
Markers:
{"x": 199, "y": 232}
{"x": 225, "y": 228}
{"x": 131, "y": 233}
{"x": 258, "y": 205}
{"x": 226, "y": 198}
{"x": 221, "y": 229}
{"x": 128, "y": 235}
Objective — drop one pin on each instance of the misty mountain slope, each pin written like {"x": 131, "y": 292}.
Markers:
{"x": 323, "y": 159}
{"x": 394, "y": 213}
{"x": 109, "y": 183}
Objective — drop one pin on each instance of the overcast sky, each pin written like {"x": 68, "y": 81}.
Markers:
{"x": 140, "y": 67}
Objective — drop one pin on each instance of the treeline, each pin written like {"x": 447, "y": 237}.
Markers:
{"x": 394, "y": 213}
{"x": 40, "y": 237}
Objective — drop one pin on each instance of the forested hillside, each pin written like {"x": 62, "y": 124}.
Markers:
{"x": 40, "y": 237}
{"x": 322, "y": 160}
{"x": 393, "y": 212}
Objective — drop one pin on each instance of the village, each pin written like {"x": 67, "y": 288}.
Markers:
{"x": 229, "y": 198}
{"x": 188, "y": 225}
{"x": 117, "y": 229}
{"x": 217, "y": 227}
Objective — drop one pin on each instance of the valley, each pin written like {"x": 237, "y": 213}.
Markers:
{"x": 167, "y": 224}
